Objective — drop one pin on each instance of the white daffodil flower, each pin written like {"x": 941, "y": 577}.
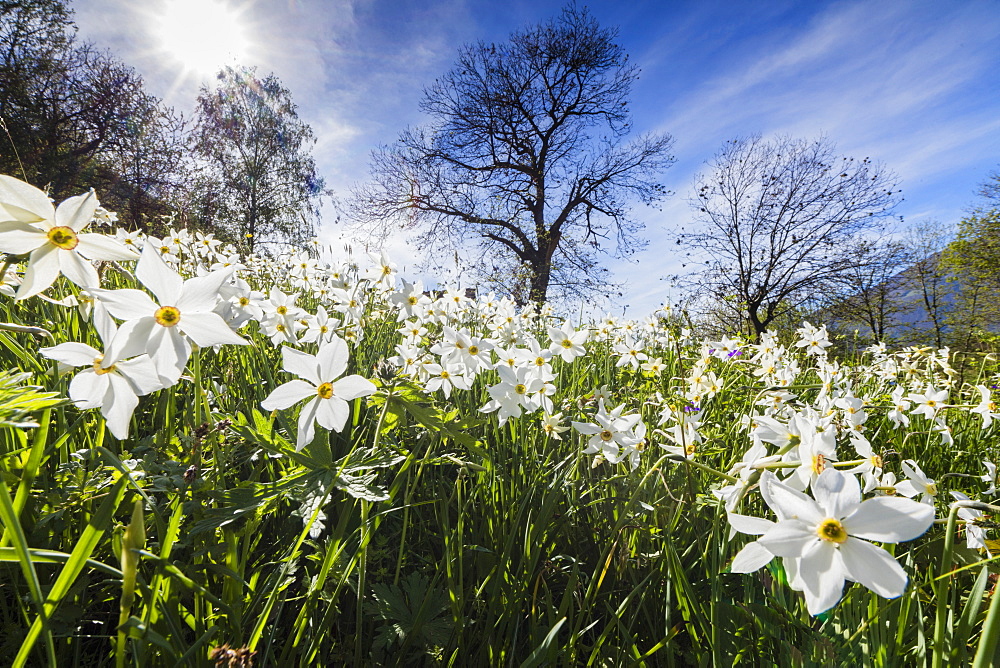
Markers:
{"x": 987, "y": 408}
{"x": 109, "y": 384}
{"x": 551, "y": 425}
{"x": 611, "y": 432}
{"x": 328, "y": 405}
{"x": 165, "y": 331}
{"x": 512, "y": 393}
{"x": 567, "y": 342}
{"x": 30, "y": 224}
{"x": 825, "y": 541}
{"x": 990, "y": 478}
{"x": 917, "y": 482}
{"x": 975, "y": 535}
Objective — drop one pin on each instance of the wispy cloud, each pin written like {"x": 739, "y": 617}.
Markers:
{"x": 915, "y": 85}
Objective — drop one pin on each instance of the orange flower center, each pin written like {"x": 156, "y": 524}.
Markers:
{"x": 168, "y": 316}
{"x": 98, "y": 369}
{"x": 63, "y": 237}
{"x": 831, "y": 530}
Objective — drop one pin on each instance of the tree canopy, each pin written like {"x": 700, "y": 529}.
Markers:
{"x": 256, "y": 151}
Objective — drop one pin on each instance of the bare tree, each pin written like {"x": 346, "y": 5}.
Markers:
{"x": 928, "y": 281}
{"x": 524, "y": 159}
{"x": 784, "y": 222}
{"x": 874, "y": 289}
{"x": 990, "y": 188}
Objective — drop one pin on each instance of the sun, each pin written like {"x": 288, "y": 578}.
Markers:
{"x": 202, "y": 35}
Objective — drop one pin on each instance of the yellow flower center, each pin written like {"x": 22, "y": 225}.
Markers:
{"x": 168, "y": 316}
{"x": 386, "y": 271}
{"x": 325, "y": 391}
{"x": 606, "y": 435}
{"x": 63, "y": 237}
{"x": 473, "y": 350}
{"x": 412, "y": 300}
{"x": 281, "y": 310}
{"x": 445, "y": 374}
{"x": 520, "y": 388}
{"x": 567, "y": 343}
{"x": 98, "y": 369}
{"x": 932, "y": 489}
{"x": 831, "y": 530}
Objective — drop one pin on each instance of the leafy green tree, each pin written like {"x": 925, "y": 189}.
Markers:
{"x": 525, "y": 159}
{"x": 75, "y": 117}
{"x": 258, "y": 176}
{"x": 973, "y": 258}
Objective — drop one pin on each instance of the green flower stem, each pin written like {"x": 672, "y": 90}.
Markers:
{"x": 703, "y": 467}
{"x": 942, "y": 584}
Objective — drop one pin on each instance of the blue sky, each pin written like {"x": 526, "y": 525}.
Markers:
{"x": 914, "y": 85}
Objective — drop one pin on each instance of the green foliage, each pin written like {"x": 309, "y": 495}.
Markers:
{"x": 972, "y": 260}
{"x": 73, "y": 117}
{"x": 19, "y": 401}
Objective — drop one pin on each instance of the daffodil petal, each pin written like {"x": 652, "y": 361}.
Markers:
{"x": 77, "y": 269}
{"x": 160, "y": 279}
{"x": 287, "y": 395}
{"x": 19, "y": 238}
{"x": 821, "y": 573}
{"x": 889, "y": 519}
{"x": 132, "y": 338}
{"x": 332, "y": 358}
{"x": 126, "y": 304}
{"x": 25, "y": 201}
{"x": 755, "y": 526}
{"x": 332, "y": 413}
{"x": 201, "y": 293}
{"x": 119, "y": 403}
{"x": 42, "y": 271}
{"x": 873, "y": 567}
{"x": 140, "y": 372}
{"x": 789, "y": 538}
{"x": 307, "y": 424}
{"x": 208, "y": 329}
{"x": 837, "y": 493}
{"x": 77, "y": 212}
{"x": 750, "y": 558}
{"x": 103, "y": 247}
{"x": 790, "y": 503}
{"x": 301, "y": 364}
{"x": 87, "y": 389}
{"x": 72, "y": 353}
{"x": 352, "y": 387}
{"x": 169, "y": 350}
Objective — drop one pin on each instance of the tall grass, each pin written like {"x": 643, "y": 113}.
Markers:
{"x": 427, "y": 534}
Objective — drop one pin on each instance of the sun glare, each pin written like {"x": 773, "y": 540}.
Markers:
{"x": 202, "y": 35}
